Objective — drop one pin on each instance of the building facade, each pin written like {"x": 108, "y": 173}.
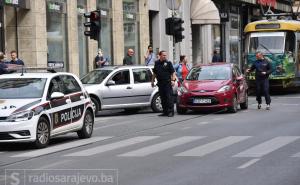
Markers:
{"x": 52, "y": 31}
{"x": 209, "y": 25}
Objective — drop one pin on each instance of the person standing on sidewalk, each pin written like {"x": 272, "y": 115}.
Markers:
{"x": 14, "y": 58}
{"x": 128, "y": 60}
{"x": 182, "y": 68}
{"x": 3, "y": 66}
{"x": 262, "y": 69}
{"x": 166, "y": 77}
{"x": 150, "y": 57}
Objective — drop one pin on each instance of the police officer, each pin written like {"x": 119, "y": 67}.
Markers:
{"x": 3, "y": 66}
{"x": 262, "y": 69}
{"x": 166, "y": 77}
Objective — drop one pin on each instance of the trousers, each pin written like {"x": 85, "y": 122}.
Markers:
{"x": 262, "y": 88}
{"x": 166, "y": 96}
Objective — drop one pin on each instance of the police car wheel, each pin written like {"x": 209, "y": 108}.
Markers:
{"x": 234, "y": 107}
{"x": 156, "y": 103}
{"x": 42, "y": 133}
{"x": 88, "y": 125}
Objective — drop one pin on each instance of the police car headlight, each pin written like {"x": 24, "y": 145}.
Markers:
{"x": 21, "y": 116}
{"x": 224, "y": 89}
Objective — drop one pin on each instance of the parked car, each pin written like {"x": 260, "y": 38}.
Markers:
{"x": 38, "y": 106}
{"x": 122, "y": 87}
{"x": 212, "y": 87}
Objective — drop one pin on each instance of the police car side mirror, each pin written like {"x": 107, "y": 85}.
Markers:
{"x": 110, "y": 82}
{"x": 57, "y": 95}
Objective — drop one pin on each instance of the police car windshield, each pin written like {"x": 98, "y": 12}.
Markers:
{"x": 96, "y": 76}
{"x": 16, "y": 88}
{"x": 209, "y": 73}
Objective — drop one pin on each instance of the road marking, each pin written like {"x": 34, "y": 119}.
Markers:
{"x": 185, "y": 128}
{"x": 161, "y": 146}
{"x": 61, "y": 147}
{"x": 290, "y": 104}
{"x": 249, "y": 163}
{"x": 112, "y": 146}
{"x": 267, "y": 147}
{"x": 213, "y": 146}
{"x": 203, "y": 123}
{"x": 55, "y": 164}
{"x": 218, "y": 119}
{"x": 122, "y": 123}
{"x": 164, "y": 133}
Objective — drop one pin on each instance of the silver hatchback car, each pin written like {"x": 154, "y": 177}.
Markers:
{"x": 122, "y": 87}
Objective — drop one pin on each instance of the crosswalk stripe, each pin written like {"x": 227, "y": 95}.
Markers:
{"x": 267, "y": 147}
{"x": 61, "y": 147}
{"x": 213, "y": 146}
{"x": 112, "y": 146}
{"x": 161, "y": 146}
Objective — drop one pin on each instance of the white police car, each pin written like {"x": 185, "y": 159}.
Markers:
{"x": 37, "y": 106}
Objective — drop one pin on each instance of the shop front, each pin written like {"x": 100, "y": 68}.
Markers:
{"x": 56, "y": 15}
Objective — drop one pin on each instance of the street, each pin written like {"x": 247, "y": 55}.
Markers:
{"x": 250, "y": 147}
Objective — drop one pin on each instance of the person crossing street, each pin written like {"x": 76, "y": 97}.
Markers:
{"x": 166, "y": 78}
{"x": 262, "y": 69}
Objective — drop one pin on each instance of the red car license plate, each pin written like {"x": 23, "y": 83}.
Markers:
{"x": 201, "y": 101}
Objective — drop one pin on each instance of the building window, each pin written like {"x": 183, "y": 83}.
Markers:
{"x": 106, "y": 28}
{"x": 82, "y": 39}
{"x": 131, "y": 27}
{"x": 234, "y": 38}
{"x": 57, "y": 32}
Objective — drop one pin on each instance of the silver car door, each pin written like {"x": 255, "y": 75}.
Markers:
{"x": 142, "y": 84}
{"x": 119, "y": 94}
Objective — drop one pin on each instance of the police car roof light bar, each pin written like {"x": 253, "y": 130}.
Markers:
{"x": 23, "y": 69}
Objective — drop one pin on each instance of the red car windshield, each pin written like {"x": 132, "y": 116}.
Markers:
{"x": 209, "y": 73}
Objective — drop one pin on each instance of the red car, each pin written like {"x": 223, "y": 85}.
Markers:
{"x": 213, "y": 87}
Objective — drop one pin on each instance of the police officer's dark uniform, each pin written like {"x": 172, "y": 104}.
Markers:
{"x": 163, "y": 71}
{"x": 262, "y": 80}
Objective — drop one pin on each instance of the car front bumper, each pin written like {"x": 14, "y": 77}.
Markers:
{"x": 23, "y": 131}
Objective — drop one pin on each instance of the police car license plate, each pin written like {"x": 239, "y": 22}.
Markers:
{"x": 201, "y": 101}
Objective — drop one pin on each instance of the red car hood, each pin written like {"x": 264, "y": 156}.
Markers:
{"x": 207, "y": 85}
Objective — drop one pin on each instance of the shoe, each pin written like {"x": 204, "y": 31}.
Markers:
{"x": 268, "y": 107}
{"x": 171, "y": 114}
{"x": 163, "y": 114}
{"x": 259, "y": 106}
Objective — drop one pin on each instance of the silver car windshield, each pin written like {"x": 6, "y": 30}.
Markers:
{"x": 209, "y": 73}
{"x": 96, "y": 76}
{"x": 16, "y": 88}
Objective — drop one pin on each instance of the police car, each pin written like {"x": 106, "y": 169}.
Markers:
{"x": 37, "y": 106}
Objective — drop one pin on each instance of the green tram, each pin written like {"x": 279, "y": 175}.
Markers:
{"x": 279, "y": 41}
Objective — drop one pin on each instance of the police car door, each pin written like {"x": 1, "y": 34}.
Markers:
{"x": 59, "y": 107}
{"x": 74, "y": 91}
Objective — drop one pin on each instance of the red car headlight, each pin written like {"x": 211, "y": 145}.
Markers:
{"x": 225, "y": 88}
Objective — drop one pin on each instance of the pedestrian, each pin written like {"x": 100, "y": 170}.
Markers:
{"x": 150, "y": 57}
{"x": 3, "y": 66}
{"x": 262, "y": 69}
{"x": 100, "y": 60}
{"x": 182, "y": 68}
{"x": 128, "y": 60}
{"x": 14, "y": 58}
{"x": 216, "y": 57}
{"x": 166, "y": 77}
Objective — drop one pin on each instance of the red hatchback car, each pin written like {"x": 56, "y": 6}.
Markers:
{"x": 213, "y": 87}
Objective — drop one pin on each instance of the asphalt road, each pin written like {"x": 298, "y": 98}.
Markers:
{"x": 251, "y": 147}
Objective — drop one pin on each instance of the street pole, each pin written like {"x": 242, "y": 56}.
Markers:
{"x": 99, "y": 34}
{"x": 174, "y": 44}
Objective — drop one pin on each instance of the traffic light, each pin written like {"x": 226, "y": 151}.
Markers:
{"x": 94, "y": 24}
{"x": 174, "y": 27}
{"x": 178, "y": 29}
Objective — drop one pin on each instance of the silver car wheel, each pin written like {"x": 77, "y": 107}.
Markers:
{"x": 43, "y": 132}
{"x": 158, "y": 103}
